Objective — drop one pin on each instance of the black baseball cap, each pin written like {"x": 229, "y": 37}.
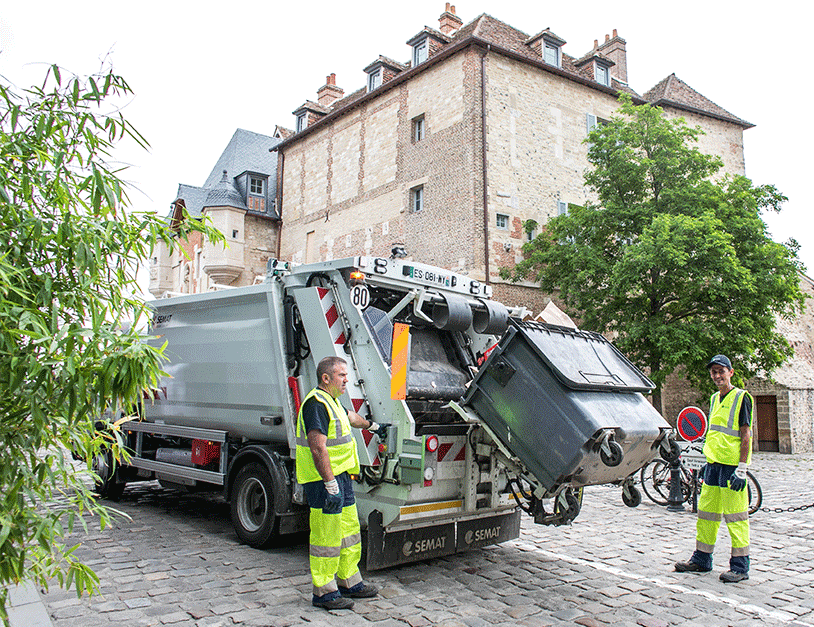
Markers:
{"x": 720, "y": 360}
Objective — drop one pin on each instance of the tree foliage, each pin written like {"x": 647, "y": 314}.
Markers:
{"x": 672, "y": 260}
{"x": 70, "y": 340}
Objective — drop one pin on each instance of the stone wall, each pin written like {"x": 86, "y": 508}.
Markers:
{"x": 348, "y": 187}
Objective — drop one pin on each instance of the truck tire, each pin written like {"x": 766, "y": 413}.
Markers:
{"x": 107, "y": 485}
{"x": 252, "y": 505}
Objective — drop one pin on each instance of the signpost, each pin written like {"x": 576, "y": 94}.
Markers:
{"x": 691, "y": 426}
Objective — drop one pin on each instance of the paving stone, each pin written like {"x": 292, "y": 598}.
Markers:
{"x": 550, "y": 576}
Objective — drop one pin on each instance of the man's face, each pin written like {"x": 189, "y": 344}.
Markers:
{"x": 721, "y": 376}
{"x": 336, "y": 382}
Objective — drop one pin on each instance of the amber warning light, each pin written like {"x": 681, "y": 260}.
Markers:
{"x": 357, "y": 277}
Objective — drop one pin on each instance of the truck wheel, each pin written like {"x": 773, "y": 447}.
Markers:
{"x": 107, "y": 485}
{"x": 253, "y": 505}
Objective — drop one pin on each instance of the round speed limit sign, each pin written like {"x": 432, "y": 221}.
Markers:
{"x": 360, "y": 296}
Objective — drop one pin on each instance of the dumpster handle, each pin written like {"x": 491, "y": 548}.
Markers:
{"x": 484, "y": 392}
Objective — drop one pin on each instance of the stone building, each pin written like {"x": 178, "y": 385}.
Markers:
{"x": 239, "y": 196}
{"x": 444, "y": 157}
{"x": 448, "y": 154}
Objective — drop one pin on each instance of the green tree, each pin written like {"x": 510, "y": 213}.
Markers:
{"x": 70, "y": 340}
{"x": 673, "y": 262}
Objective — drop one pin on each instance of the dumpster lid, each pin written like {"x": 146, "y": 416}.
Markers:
{"x": 583, "y": 360}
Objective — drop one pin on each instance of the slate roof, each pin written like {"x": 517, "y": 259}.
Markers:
{"x": 193, "y": 197}
{"x": 225, "y": 194}
{"x": 674, "y": 92}
{"x": 246, "y": 151}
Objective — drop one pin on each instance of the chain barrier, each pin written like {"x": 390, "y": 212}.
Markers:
{"x": 783, "y": 510}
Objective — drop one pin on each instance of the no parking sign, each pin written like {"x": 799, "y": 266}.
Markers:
{"x": 692, "y": 423}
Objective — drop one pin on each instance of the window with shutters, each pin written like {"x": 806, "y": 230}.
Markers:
{"x": 602, "y": 74}
{"x": 552, "y": 54}
{"x": 302, "y": 121}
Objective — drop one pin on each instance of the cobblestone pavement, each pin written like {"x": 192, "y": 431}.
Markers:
{"x": 177, "y": 562}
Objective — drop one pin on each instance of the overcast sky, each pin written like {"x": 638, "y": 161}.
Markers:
{"x": 200, "y": 70}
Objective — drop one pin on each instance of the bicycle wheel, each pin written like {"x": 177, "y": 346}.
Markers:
{"x": 755, "y": 492}
{"x": 655, "y": 477}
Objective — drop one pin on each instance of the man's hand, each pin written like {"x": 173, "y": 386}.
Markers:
{"x": 333, "y": 500}
{"x": 737, "y": 481}
{"x": 379, "y": 429}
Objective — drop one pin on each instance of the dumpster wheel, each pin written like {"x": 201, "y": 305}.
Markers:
{"x": 631, "y": 496}
{"x": 611, "y": 453}
{"x": 567, "y": 505}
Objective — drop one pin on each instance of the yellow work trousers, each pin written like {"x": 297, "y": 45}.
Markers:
{"x": 716, "y": 504}
{"x": 335, "y": 549}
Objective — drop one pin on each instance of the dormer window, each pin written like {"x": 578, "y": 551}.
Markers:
{"x": 374, "y": 79}
{"x": 256, "y": 186}
{"x": 302, "y": 121}
{"x": 548, "y": 46}
{"x": 420, "y": 50}
{"x": 552, "y": 54}
{"x": 602, "y": 73}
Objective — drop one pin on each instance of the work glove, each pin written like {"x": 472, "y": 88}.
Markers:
{"x": 737, "y": 481}
{"x": 379, "y": 429}
{"x": 333, "y": 500}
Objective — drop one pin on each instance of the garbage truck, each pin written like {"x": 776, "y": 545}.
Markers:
{"x": 491, "y": 415}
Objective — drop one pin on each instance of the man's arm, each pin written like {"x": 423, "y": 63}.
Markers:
{"x": 746, "y": 442}
{"x": 317, "y": 443}
{"x": 357, "y": 421}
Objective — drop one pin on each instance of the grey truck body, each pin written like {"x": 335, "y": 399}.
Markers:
{"x": 490, "y": 415}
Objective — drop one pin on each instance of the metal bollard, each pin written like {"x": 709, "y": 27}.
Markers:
{"x": 675, "y": 502}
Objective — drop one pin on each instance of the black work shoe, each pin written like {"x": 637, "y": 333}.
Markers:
{"x": 690, "y": 567}
{"x": 338, "y": 603}
{"x": 359, "y": 591}
{"x": 733, "y": 577}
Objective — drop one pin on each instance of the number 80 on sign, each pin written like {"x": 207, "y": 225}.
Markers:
{"x": 360, "y": 296}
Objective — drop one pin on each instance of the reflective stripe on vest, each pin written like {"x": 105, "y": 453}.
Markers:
{"x": 340, "y": 443}
{"x": 729, "y": 428}
{"x": 723, "y": 442}
{"x": 325, "y": 398}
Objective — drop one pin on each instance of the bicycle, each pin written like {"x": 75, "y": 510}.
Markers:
{"x": 655, "y": 479}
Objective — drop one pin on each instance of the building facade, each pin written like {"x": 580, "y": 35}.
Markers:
{"x": 443, "y": 158}
{"x": 239, "y": 197}
{"x": 447, "y": 156}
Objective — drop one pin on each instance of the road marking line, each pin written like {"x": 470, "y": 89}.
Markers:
{"x": 764, "y": 613}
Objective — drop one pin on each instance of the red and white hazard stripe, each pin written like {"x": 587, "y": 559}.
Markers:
{"x": 331, "y": 315}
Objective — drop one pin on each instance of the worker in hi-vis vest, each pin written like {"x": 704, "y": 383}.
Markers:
{"x": 728, "y": 449}
{"x": 326, "y": 457}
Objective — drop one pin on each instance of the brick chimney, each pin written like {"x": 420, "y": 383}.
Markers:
{"x": 329, "y": 92}
{"x": 614, "y": 48}
{"x": 449, "y": 22}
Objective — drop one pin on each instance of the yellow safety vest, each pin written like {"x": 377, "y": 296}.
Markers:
{"x": 723, "y": 443}
{"x": 341, "y": 445}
